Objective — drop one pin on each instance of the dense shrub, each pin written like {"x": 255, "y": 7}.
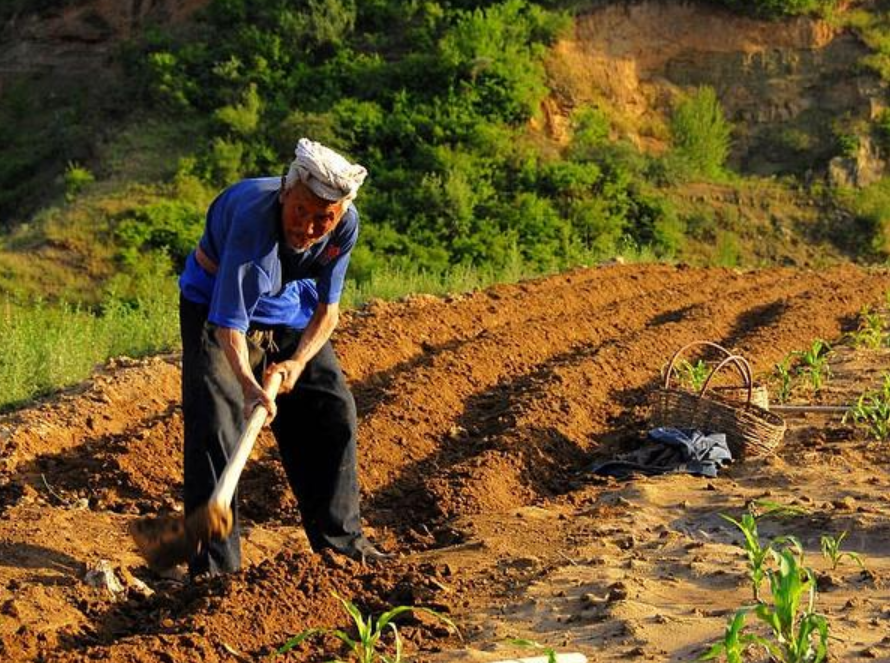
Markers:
{"x": 76, "y": 179}
{"x": 171, "y": 226}
{"x": 700, "y": 134}
{"x": 433, "y": 97}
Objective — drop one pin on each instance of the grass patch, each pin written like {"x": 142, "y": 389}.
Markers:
{"x": 51, "y": 346}
{"x": 48, "y": 347}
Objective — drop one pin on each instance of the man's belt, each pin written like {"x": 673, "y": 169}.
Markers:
{"x": 206, "y": 262}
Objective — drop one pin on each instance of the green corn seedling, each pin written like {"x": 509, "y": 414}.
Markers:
{"x": 735, "y": 643}
{"x": 365, "y": 646}
{"x": 799, "y": 635}
{"x": 831, "y": 550}
{"x": 782, "y": 373}
{"x": 814, "y": 364}
{"x": 694, "y": 375}
{"x": 763, "y": 508}
{"x": 755, "y": 552}
{"x": 872, "y": 411}
{"x": 870, "y": 333}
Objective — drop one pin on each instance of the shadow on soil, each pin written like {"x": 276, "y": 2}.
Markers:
{"x": 65, "y": 569}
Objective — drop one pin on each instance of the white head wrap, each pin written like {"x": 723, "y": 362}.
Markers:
{"x": 329, "y": 175}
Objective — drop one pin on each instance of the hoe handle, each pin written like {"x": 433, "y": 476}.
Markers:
{"x": 225, "y": 488}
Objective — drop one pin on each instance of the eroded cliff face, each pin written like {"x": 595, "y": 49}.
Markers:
{"x": 80, "y": 37}
{"x": 784, "y": 85}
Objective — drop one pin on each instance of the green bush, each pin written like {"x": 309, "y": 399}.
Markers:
{"x": 868, "y": 233}
{"x": 172, "y": 226}
{"x": 76, "y": 179}
{"x": 700, "y": 134}
{"x": 882, "y": 129}
{"x": 590, "y": 131}
{"x": 242, "y": 118}
{"x": 497, "y": 53}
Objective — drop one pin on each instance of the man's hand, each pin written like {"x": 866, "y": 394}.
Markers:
{"x": 290, "y": 372}
{"x": 255, "y": 395}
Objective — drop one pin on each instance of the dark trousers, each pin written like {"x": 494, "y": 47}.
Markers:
{"x": 315, "y": 430}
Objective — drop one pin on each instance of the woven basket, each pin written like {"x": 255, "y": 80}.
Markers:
{"x": 759, "y": 393}
{"x": 750, "y": 430}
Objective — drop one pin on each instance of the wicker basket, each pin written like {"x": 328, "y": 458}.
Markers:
{"x": 750, "y": 429}
{"x": 739, "y": 393}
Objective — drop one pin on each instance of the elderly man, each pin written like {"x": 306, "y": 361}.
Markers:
{"x": 259, "y": 295}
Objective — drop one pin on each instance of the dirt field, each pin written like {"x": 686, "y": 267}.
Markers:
{"x": 478, "y": 417}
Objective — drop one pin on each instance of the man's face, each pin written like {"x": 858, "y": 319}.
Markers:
{"x": 306, "y": 218}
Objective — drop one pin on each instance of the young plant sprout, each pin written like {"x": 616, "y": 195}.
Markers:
{"x": 797, "y": 633}
{"x": 793, "y": 628}
{"x": 870, "y": 333}
{"x": 693, "y": 376}
{"x": 757, "y": 554}
{"x": 872, "y": 411}
{"x": 365, "y": 647}
{"x": 735, "y": 643}
{"x": 763, "y": 508}
{"x": 782, "y": 372}
{"x": 549, "y": 652}
{"x": 831, "y": 550}
{"x": 814, "y": 364}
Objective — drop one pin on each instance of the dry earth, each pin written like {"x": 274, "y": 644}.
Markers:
{"x": 478, "y": 417}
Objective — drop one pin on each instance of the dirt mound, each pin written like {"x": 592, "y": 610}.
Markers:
{"x": 478, "y": 414}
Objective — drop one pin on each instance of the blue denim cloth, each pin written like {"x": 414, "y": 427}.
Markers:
{"x": 688, "y": 451}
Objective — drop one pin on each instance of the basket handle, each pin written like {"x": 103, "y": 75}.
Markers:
{"x": 710, "y": 344}
{"x": 742, "y": 366}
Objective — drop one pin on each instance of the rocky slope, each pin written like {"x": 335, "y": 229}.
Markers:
{"x": 784, "y": 85}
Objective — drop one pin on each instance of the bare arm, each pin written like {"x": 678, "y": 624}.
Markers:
{"x": 317, "y": 333}
{"x": 234, "y": 346}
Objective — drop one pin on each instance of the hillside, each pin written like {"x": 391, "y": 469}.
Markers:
{"x": 801, "y": 105}
{"x": 781, "y": 83}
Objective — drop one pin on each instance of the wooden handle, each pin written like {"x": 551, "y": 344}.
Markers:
{"x": 225, "y": 488}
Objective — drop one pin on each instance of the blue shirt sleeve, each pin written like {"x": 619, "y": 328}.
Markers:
{"x": 236, "y": 292}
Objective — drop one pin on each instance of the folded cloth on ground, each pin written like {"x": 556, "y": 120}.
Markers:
{"x": 673, "y": 450}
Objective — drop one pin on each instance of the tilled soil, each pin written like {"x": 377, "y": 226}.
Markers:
{"x": 478, "y": 417}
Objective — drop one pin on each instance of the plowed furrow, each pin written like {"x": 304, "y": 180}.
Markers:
{"x": 419, "y": 422}
{"x": 553, "y": 422}
{"x": 424, "y": 325}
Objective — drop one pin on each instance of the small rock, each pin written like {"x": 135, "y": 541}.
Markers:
{"x": 617, "y": 592}
{"x": 134, "y": 584}
{"x": 826, "y": 581}
{"x": 101, "y": 575}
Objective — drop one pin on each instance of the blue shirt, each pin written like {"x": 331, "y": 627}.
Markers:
{"x": 259, "y": 278}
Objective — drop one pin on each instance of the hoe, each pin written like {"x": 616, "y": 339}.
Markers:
{"x": 165, "y": 541}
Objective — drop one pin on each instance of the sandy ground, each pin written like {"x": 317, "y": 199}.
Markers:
{"x": 479, "y": 415}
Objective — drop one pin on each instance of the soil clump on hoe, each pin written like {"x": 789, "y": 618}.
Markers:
{"x": 478, "y": 416}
